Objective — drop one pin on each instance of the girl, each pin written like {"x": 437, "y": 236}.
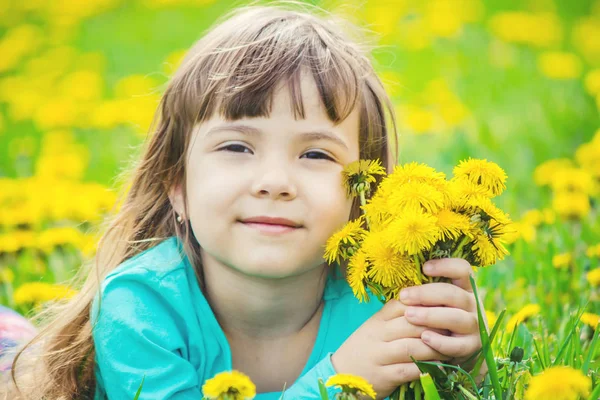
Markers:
{"x": 215, "y": 259}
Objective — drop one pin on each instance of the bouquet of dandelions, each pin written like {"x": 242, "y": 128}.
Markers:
{"x": 416, "y": 214}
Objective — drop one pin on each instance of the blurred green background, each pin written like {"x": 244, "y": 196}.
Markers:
{"x": 514, "y": 82}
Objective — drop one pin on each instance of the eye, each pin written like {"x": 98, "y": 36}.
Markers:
{"x": 318, "y": 155}
{"x": 236, "y": 148}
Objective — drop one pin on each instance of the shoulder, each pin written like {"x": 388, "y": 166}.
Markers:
{"x": 155, "y": 276}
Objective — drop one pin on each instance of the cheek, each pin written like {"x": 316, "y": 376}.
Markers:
{"x": 331, "y": 205}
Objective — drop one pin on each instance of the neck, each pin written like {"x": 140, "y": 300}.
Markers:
{"x": 259, "y": 308}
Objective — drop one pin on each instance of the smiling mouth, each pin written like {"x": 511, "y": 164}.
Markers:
{"x": 270, "y": 229}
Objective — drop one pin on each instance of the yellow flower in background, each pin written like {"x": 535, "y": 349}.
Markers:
{"x": 357, "y": 273}
{"x": 35, "y": 293}
{"x": 544, "y": 173}
{"x": 559, "y": 383}
{"x": 571, "y": 204}
{"x": 535, "y": 29}
{"x": 588, "y": 156}
{"x": 593, "y": 251}
{"x": 522, "y": 315}
{"x": 593, "y": 277}
{"x": 17, "y": 43}
{"x": 491, "y": 318}
{"x": 135, "y": 85}
{"x": 173, "y": 61}
{"x": 590, "y": 319}
{"x": 6, "y": 275}
{"x": 232, "y": 385}
{"x": 533, "y": 217}
{"x": 592, "y": 82}
{"x": 50, "y": 238}
{"x": 584, "y": 35}
{"x": 14, "y": 241}
{"x": 562, "y": 260}
{"x": 559, "y": 65}
{"x": 482, "y": 173}
{"x": 82, "y": 85}
{"x": 574, "y": 180}
{"x": 352, "y": 384}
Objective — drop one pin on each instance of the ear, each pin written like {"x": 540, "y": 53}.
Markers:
{"x": 176, "y": 199}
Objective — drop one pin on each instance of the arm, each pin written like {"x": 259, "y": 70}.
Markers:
{"x": 136, "y": 335}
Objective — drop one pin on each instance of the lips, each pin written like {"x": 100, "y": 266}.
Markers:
{"x": 277, "y": 221}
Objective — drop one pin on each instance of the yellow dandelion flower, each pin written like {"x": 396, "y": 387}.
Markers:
{"x": 593, "y": 277}
{"x": 482, "y": 173}
{"x": 6, "y": 276}
{"x": 559, "y": 65}
{"x": 415, "y": 172}
{"x": 359, "y": 175}
{"x": 590, "y": 319}
{"x": 358, "y": 267}
{"x": 491, "y": 318}
{"x": 485, "y": 210}
{"x": 462, "y": 191}
{"x": 352, "y": 384}
{"x": 588, "y": 156}
{"x": 413, "y": 231}
{"x": 533, "y": 217}
{"x": 562, "y": 260}
{"x": 593, "y": 251}
{"x": 522, "y": 315}
{"x": 229, "y": 386}
{"x": 415, "y": 195}
{"x": 574, "y": 180}
{"x": 343, "y": 243}
{"x": 559, "y": 383}
{"x": 592, "y": 82}
{"x": 387, "y": 265}
{"x": 487, "y": 250}
{"x": 377, "y": 210}
{"x": 35, "y": 293}
{"x": 544, "y": 172}
{"x": 573, "y": 205}
{"x": 451, "y": 224}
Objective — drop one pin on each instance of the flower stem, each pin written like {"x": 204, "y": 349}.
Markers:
{"x": 363, "y": 202}
{"x": 458, "y": 251}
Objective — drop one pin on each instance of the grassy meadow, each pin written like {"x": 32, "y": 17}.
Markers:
{"x": 513, "y": 82}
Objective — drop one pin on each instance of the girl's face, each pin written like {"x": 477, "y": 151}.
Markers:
{"x": 276, "y": 167}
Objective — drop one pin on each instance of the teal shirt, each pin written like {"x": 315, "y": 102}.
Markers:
{"x": 155, "y": 322}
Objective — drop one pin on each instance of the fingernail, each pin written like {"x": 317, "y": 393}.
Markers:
{"x": 404, "y": 294}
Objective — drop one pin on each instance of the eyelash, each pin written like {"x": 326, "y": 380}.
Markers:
{"x": 323, "y": 156}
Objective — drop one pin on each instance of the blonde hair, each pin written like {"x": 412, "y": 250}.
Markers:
{"x": 233, "y": 70}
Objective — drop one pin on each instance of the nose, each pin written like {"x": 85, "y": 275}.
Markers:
{"x": 274, "y": 181}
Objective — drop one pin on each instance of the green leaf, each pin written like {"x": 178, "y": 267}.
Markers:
{"x": 139, "y": 391}
{"x": 429, "y": 388}
{"x": 595, "y": 394}
{"x": 323, "y": 390}
{"x": 590, "y": 352}
{"x": 433, "y": 370}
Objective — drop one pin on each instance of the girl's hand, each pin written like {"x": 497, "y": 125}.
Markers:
{"x": 445, "y": 306}
{"x": 380, "y": 350}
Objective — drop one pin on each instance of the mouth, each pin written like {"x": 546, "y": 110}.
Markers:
{"x": 271, "y": 225}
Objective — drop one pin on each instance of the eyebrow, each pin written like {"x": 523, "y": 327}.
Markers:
{"x": 252, "y": 131}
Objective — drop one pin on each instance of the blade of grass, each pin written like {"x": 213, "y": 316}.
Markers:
{"x": 485, "y": 340}
{"x": 139, "y": 391}
{"x": 567, "y": 340}
{"x": 590, "y": 352}
{"x": 429, "y": 388}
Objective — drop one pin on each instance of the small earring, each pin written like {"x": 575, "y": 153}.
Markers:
{"x": 179, "y": 219}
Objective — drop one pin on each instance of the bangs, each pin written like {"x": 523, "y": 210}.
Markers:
{"x": 240, "y": 75}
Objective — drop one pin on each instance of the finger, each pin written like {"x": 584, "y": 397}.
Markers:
{"x": 392, "y": 309}
{"x": 454, "y": 319}
{"x": 398, "y": 328}
{"x": 401, "y": 350}
{"x": 456, "y": 269}
{"x": 401, "y": 373}
{"x": 438, "y": 294}
{"x": 453, "y": 346}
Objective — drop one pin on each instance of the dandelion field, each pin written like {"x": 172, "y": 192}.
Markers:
{"x": 516, "y": 83}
